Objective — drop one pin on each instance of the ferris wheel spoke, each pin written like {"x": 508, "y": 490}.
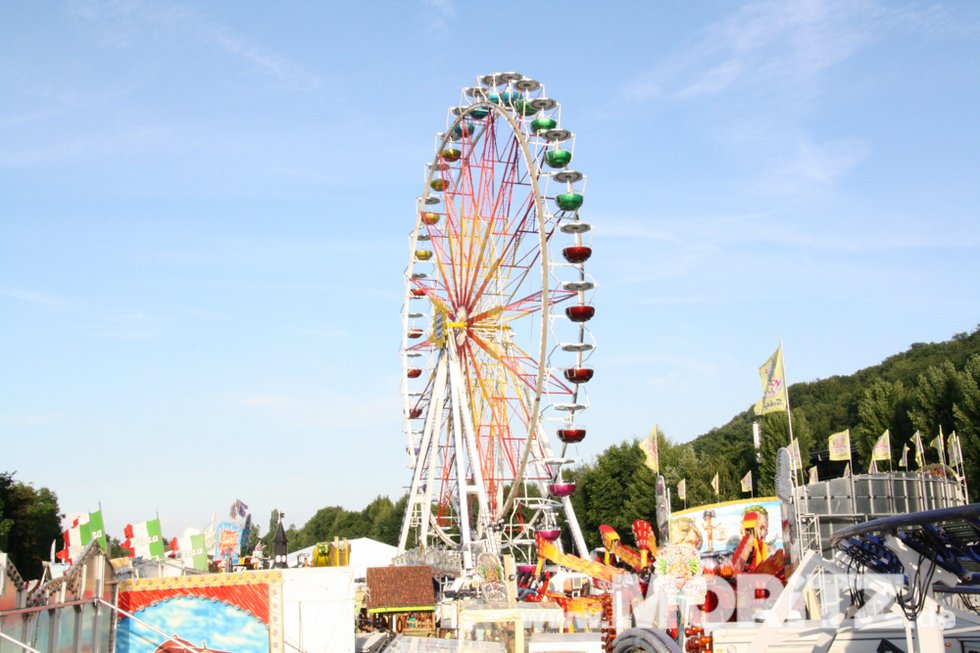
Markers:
{"x": 488, "y": 413}
{"x": 501, "y": 315}
{"x": 499, "y": 270}
{"x": 489, "y": 236}
{"x": 513, "y": 385}
{"x": 496, "y": 438}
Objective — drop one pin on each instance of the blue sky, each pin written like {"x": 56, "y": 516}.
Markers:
{"x": 205, "y": 210}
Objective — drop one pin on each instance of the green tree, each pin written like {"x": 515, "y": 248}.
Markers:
{"x": 270, "y": 533}
{"x": 377, "y": 513}
{"x": 774, "y": 435}
{"x": 678, "y": 462}
{"x": 883, "y": 405}
{"x": 967, "y": 414}
{"x": 618, "y": 489}
{"x": 387, "y": 527}
{"x": 116, "y": 549}
{"x": 30, "y": 520}
{"x": 934, "y": 398}
{"x": 833, "y": 404}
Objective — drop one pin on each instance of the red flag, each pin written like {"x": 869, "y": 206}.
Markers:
{"x": 128, "y": 542}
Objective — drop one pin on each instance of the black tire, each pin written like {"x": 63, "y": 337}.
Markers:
{"x": 649, "y": 640}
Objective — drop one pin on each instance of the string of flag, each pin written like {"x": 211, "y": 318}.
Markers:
{"x": 145, "y": 539}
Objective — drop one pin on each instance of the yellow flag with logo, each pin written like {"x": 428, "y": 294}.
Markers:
{"x": 883, "y": 447}
{"x": 651, "y": 451}
{"x": 839, "y": 445}
{"x": 920, "y": 454}
{"x": 714, "y": 483}
{"x": 774, "y": 396}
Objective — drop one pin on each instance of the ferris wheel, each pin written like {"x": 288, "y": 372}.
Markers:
{"x": 495, "y": 338}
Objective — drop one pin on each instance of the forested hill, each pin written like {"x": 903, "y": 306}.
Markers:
{"x": 928, "y": 386}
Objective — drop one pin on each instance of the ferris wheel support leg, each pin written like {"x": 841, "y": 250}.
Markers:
{"x": 434, "y": 429}
{"x": 457, "y": 398}
{"x": 420, "y": 495}
{"x": 573, "y": 526}
{"x": 483, "y": 530}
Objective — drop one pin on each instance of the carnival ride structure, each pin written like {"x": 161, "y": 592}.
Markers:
{"x": 905, "y": 583}
{"x": 495, "y": 339}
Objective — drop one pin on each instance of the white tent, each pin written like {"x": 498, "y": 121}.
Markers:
{"x": 364, "y": 553}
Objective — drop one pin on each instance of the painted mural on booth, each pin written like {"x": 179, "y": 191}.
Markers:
{"x": 717, "y": 528}
{"x": 217, "y": 613}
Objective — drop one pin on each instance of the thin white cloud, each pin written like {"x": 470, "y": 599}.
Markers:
{"x": 130, "y": 326}
{"x": 934, "y": 21}
{"x": 700, "y": 367}
{"x": 705, "y": 235}
{"x": 760, "y": 72}
{"x": 33, "y": 297}
{"x": 104, "y": 144}
{"x": 685, "y": 244}
{"x": 820, "y": 164}
{"x": 335, "y": 412}
{"x": 26, "y": 421}
{"x": 762, "y": 44}
{"x": 439, "y": 15}
{"x": 126, "y": 22}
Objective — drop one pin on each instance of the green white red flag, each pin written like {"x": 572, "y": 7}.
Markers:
{"x": 84, "y": 528}
{"x": 193, "y": 550}
{"x": 143, "y": 540}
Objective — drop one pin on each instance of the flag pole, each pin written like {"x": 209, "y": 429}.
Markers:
{"x": 959, "y": 456}
{"x": 890, "y": 471}
{"x": 789, "y": 415}
{"x": 942, "y": 446}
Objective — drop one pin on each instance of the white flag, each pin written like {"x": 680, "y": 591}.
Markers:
{"x": 747, "y": 482}
{"x": 955, "y": 454}
{"x": 795, "y": 459}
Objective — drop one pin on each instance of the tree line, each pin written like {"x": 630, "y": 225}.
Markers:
{"x": 928, "y": 387}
